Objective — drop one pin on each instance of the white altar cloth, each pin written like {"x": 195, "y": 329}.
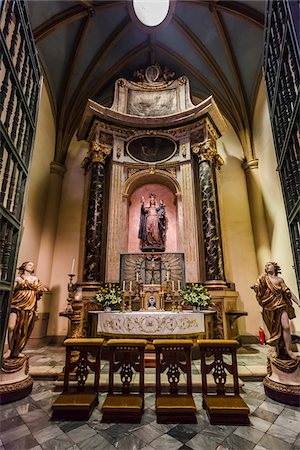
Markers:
{"x": 164, "y": 323}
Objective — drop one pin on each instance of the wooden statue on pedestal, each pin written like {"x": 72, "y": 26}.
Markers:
{"x": 283, "y": 380}
{"x": 15, "y": 383}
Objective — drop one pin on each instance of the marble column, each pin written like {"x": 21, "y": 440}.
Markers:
{"x": 208, "y": 160}
{"x": 94, "y": 267}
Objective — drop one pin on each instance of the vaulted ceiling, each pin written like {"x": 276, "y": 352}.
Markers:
{"x": 84, "y": 46}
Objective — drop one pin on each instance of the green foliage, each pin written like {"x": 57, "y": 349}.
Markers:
{"x": 196, "y": 295}
{"x": 109, "y": 295}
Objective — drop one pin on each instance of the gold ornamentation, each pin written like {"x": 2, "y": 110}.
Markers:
{"x": 18, "y": 386}
{"x": 207, "y": 151}
{"x": 131, "y": 171}
{"x": 98, "y": 152}
{"x": 280, "y": 387}
{"x": 171, "y": 170}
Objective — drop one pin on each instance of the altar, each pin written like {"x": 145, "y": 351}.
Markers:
{"x": 156, "y": 324}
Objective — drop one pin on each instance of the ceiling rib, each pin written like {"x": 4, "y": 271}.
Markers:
{"x": 224, "y": 36}
{"x": 220, "y": 100}
{"x": 232, "y": 7}
{"x": 90, "y": 71}
{"x": 70, "y": 15}
{"x": 77, "y": 48}
{"x": 212, "y": 63}
{"x": 117, "y": 68}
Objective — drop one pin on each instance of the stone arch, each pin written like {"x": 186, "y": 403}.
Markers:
{"x": 151, "y": 176}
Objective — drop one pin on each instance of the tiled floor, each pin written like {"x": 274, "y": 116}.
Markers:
{"x": 27, "y": 424}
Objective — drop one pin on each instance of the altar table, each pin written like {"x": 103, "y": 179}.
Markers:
{"x": 150, "y": 324}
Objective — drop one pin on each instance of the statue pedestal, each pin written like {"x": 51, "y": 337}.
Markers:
{"x": 15, "y": 383}
{"x": 283, "y": 380}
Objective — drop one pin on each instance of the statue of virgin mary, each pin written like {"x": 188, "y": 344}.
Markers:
{"x": 152, "y": 230}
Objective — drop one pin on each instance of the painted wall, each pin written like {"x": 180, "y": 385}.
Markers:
{"x": 43, "y": 154}
{"x": 237, "y": 237}
{"x": 272, "y": 196}
{"x": 164, "y": 193}
{"x": 67, "y": 244}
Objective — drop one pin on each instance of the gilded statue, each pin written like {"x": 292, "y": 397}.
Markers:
{"x": 276, "y": 300}
{"x": 27, "y": 291}
{"x": 152, "y": 230}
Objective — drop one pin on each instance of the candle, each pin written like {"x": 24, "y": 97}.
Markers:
{"x": 179, "y": 285}
{"x": 124, "y": 285}
{"x": 137, "y": 276}
{"x": 130, "y": 285}
{"x": 73, "y": 265}
{"x": 173, "y": 285}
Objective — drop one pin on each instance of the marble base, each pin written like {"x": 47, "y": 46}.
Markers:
{"x": 15, "y": 383}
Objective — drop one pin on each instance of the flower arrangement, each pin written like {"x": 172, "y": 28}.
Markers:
{"x": 196, "y": 295}
{"x": 109, "y": 295}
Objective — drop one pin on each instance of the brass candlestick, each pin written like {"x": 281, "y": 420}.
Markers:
{"x": 130, "y": 298}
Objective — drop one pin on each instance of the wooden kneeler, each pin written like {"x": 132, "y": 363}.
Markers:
{"x": 222, "y": 407}
{"x": 79, "y": 404}
{"x": 126, "y": 357}
{"x": 174, "y": 407}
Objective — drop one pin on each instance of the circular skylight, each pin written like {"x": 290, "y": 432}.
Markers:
{"x": 151, "y": 12}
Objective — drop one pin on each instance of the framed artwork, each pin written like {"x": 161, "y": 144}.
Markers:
{"x": 151, "y": 148}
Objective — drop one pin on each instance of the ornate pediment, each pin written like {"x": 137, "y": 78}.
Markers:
{"x": 154, "y": 94}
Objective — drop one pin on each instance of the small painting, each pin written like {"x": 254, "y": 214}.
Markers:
{"x": 151, "y": 148}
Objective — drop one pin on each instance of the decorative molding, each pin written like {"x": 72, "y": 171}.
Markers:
{"x": 250, "y": 164}
{"x": 207, "y": 151}
{"x": 57, "y": 168}
{"x": 98, "y": 152}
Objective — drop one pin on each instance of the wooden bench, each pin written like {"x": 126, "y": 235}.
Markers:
{"x": 222, "y": 407}
{"x": 126, "y": 357}
{"x": 79, "y": 405}
{"x": 174, "y": 407}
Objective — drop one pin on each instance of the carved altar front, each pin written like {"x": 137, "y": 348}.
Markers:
{"x": 151, "y": 324}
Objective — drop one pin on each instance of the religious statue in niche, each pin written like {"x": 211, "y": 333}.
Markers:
{"x": 27, "y": 291}
{"x": 152, "y": 230}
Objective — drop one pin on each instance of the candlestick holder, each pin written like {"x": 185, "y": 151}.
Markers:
{"x": 123, "y": 307}
{"x": 130, "y": 299}
{"x": 179, "y": 305}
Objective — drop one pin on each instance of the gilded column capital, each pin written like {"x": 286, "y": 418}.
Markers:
{"x": 98, "y": 152}
{"x": 207, "y": 151}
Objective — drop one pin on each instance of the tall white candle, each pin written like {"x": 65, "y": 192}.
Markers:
{"x": 179, "y": 285}
{"x": 137, "y": 276}
{"x": 124, "y": 285}
{"x": 130, "y": 285}
{"x": 173, "y": 285}
{"x": 73, "y": 265}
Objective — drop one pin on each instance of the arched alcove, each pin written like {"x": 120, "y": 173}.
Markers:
{"x": 161, "y": 192}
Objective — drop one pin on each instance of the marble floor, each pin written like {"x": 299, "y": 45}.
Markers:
{"x": 27, "y": 424}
